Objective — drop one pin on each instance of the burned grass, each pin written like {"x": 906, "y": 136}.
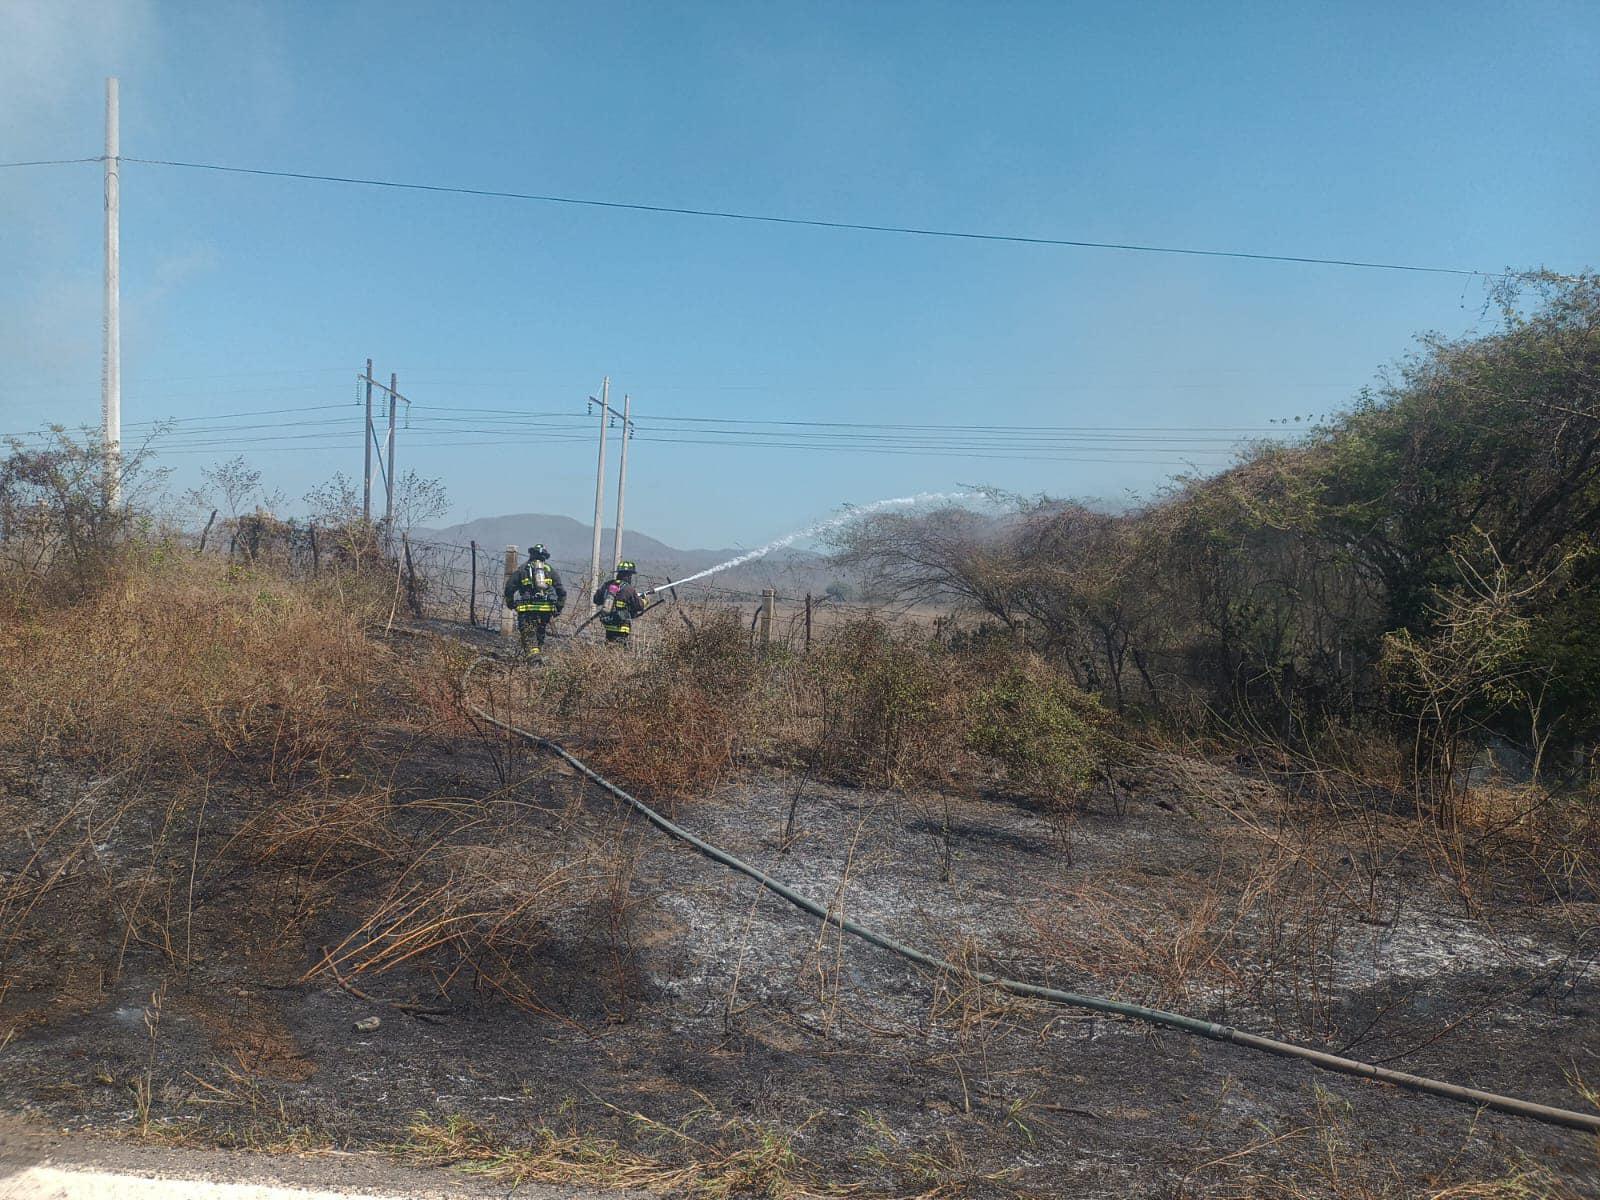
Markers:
{"x": 570, "y": 999}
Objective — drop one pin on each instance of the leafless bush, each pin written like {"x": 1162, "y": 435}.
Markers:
{"x": 62, "y": 536}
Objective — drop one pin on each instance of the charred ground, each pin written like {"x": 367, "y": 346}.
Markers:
{"x": 595, "y": 1004}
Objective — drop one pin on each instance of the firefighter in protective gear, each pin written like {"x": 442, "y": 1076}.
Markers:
{"x": 619, "y": 603}
{"x": 535, "y": 594}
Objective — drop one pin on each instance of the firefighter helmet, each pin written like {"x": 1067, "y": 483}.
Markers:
{"x": 537, "y": 550}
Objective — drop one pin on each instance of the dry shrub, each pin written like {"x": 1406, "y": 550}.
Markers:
{"x": 870, "y": 705}
{"x": 693, "y": 710}
{"x": 437, "y": 674}
{"x": 670, "y": 721}
{"x": 1546, "y": 839}
{"x": 1539, "y": 836}
{"x": 179, "y": 663}
{"x": 323, "y": 825}
{"x": 1046, "y": 734}
{"x": 889, "y": 705}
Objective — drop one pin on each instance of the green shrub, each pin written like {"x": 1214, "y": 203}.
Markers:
{"x": 1046, "y": 734}
{"x": 889, "y": 705}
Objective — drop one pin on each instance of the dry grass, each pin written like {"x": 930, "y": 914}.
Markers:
{"x": 738, "y": 1158}
{"x": 179, "y": 665}
{"x": 1262, "y": 931}
{"x": 122, "y": 712}
{"x": 225, "y": 721}
{"x": 1331, "y": 1158}
{"x": 475, "y": 904}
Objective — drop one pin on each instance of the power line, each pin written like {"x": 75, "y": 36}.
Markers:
{"x": 53, "y": 162}
{"x": 224, "y": 431}
{"x": 811, "y": 222}
{"x": 261, "y": 412}
{"x": 1177, "y": 459}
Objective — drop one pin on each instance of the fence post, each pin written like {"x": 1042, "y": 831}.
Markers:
{"x": 316, "y": 563}
{"x": 506, "y": 623}
{"x": 204, "y": 533}
{"x": 808, "y": 622}
{"x": 411, "y": 576}
{"x": 472, "y": 591}
{"x": 767, "y": 597}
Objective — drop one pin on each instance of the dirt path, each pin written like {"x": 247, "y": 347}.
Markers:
{"x": 38, "y": 1164}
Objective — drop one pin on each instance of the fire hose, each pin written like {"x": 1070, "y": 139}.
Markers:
{"x": 1192, "y": 1025}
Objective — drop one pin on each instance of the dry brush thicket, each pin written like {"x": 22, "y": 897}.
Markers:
{"x": 871, "y": 704}
{"x": 1377, "y": 608}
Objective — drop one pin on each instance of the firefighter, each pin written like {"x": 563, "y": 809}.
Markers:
{"x": 619, "y": 603}
{"x": 535, "y": 594}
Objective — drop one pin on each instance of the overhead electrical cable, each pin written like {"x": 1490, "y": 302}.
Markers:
{"x": 811, "y": 222}
{"x": 53, "y": 162}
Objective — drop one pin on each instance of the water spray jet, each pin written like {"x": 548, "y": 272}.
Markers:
{"x": 850, "y": 513}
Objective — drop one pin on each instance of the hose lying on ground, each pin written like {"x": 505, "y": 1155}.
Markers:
{"x": 1154, "y": 1016}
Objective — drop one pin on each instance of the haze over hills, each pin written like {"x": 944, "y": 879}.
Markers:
{"x": 569, "y": 541}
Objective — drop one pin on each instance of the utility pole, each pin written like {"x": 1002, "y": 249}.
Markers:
{"x": 600, "y": 485}
{"x": 366, "y": 441}
{"x": 622, "y": 474}
{"x": 388, "y": 506}
{"x": 111, "y": 362}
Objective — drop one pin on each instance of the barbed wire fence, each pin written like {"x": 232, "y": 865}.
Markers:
{"x": 457, "y": 584}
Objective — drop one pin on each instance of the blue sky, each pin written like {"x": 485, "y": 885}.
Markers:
{"x": 1453, "y": 134}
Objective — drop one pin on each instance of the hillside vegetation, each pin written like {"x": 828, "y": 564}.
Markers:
{"x": 1417, "y": 580}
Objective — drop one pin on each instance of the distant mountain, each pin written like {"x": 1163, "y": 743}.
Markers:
{"x": 790, "y": 571}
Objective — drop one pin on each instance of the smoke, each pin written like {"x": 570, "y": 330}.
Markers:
{"x": 850, "y": 513}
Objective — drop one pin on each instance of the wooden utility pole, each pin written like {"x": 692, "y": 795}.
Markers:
{"x": 111, "y": 359}
{"x": 622, "y": 476}
{"x": 507, "y": 623}
{"x": 599, "y": 486}
{"x": 388, "y": 505}
{"x": 367, "y": 436}
{"x": 808, "y": 622}
{"x": 472, "y": 588}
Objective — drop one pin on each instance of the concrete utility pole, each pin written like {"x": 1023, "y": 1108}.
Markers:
{"x": 622, "y": 474}
{"x": 111, "y": 361}
{"x": 366, "y": 441}
{"x": 600, "y": 485}
{"x": 388, "y": 507}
